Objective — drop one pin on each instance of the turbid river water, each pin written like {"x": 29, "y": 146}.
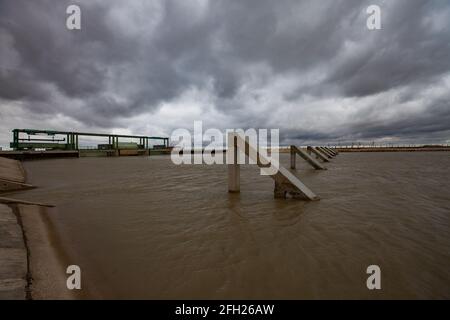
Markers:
{"x": 142, "y": 227}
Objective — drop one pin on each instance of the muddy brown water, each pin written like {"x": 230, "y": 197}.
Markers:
{"x": 142, "y": 227}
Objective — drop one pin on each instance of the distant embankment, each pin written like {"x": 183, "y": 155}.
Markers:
{"x": 393, "y": 149}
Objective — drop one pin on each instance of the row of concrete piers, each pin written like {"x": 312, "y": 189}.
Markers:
{"x": 286, "y": 183}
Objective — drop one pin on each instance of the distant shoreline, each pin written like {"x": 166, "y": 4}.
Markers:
{"x": 27, "y": 155}
{"x": 381, "y": 149}
{"x": 394, "y": 149}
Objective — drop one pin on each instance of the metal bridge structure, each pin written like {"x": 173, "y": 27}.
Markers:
{"x": 32, "y": 139}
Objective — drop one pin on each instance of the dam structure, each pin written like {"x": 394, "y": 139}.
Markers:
{"x": 38, "y": 143}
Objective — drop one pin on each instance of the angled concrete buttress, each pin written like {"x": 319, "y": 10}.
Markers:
{"x": 325, "y": 152}
{"x": 285, "y": 181}
{"x": 315, "y": 164}
{"x": 318, "y": 154}
{"x": 334, "y": 153}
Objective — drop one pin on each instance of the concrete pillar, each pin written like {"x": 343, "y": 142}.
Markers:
{"x": 233, "y": 165}
{"x": 15, "y": 139}
{"x": 293, "y": 156}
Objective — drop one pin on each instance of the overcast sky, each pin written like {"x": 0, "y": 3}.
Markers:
{"x": 310, "y": 68}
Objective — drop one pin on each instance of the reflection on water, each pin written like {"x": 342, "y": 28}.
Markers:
{"x": 141, "y": 227}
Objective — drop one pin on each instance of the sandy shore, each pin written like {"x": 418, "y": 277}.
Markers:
{"x": 32, "y": 263}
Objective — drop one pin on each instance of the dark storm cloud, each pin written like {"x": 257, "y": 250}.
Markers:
{"x": 407, "y": 125}
{"x": 408, "y": 50}
{"x": 259, "y": 63}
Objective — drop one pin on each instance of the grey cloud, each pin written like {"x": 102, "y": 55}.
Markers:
{"x": 406, "y": 51}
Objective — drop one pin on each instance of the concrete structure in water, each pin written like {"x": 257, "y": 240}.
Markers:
{"x": 285, "y": 182}
{"x": 334, "y": 152}
{"x": 318, "y": 154}
{"x": 296, "y": 151}
{"x": 325, "y": 152}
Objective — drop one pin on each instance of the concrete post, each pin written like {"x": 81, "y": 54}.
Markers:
{"x": 293, "y": 156}
{"x": 233, "y": 165}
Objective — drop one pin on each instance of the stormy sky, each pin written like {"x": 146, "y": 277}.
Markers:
{"x": 310, "y": 68}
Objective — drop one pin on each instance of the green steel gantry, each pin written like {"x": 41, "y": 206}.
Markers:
{"x": 71, "y": 140}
